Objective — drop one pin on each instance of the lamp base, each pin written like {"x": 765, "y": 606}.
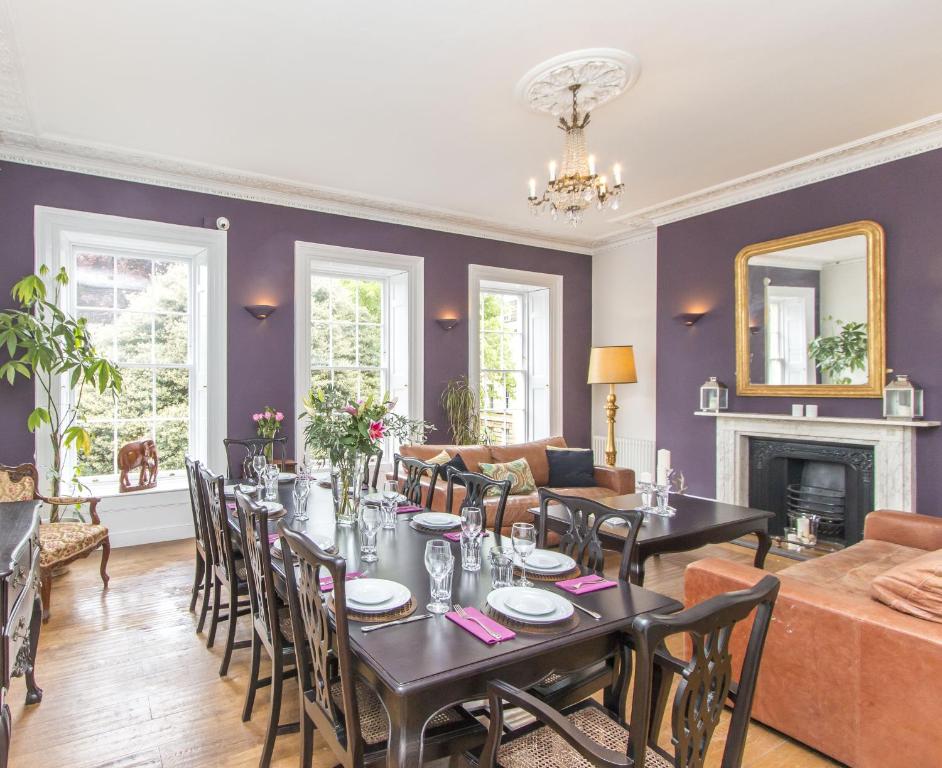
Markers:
{"x": 610, "y": 410}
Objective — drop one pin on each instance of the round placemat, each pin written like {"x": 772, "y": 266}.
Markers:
{"x": 377, "y": 618}
{"x": 534, "y": 629}
{"x": 534, "y": 576}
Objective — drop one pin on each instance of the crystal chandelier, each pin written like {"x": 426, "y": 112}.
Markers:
{"x": 577, "y": 186}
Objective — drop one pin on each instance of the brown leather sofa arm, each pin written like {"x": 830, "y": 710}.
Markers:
{"x": 904, "y": 528}
{"x": 619, "y": 479}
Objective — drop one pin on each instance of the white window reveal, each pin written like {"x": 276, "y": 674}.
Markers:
{"x": 358, "y": 324}
{"x": 154, "y": 298}
{"x": 516, "y": 361}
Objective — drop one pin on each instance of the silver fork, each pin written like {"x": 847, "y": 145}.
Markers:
{"x": 468, "y": 617}
{"x": 586, "y": 582}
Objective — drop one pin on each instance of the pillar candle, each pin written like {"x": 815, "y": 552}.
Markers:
{"x": 663, "y": 465}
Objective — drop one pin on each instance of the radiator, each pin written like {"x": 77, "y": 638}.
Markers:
{"x": 632, "y": 452}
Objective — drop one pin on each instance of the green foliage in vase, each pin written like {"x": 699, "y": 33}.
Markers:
{"x": 460, "y": 403}
{"x": 43, "y": 343}
{"x": 837, "y": 357}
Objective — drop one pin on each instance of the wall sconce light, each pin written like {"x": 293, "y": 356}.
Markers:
{"x": 260, "y": 311}
{"x": 447, "y": 323}
{"x": 690, "y": 318}
{"x": 754, "y": 329}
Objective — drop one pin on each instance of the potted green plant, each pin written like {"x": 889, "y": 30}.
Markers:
{"x": 460, "y": 402}
{"x": 46, "y": 345}
{"x": 839, "y": 356}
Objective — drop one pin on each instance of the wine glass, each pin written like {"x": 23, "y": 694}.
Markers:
{"x": 523, "y": 536}
{"x": 439, "y": 563}
{"x": 471, "y": 522}
{"x": 302, "y": 487}
{"x": 390, "y": 499}
{"x": 258, "y": 466}
{"x": 369, "y": 525}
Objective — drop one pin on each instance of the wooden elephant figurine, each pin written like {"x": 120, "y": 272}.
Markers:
{"x": 140, "y": 454}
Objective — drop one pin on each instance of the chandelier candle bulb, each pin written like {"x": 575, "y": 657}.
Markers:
{"x": 591, "y": 165}
{"x": 532, "y": 189}
{"x": 552, "y": 171}
{"x": 616, "y": 172}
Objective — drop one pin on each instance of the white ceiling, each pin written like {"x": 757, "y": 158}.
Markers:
{"x": 414, "y": 102}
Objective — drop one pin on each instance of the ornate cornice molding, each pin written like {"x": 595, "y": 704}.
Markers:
{"x": 14, "y": 110}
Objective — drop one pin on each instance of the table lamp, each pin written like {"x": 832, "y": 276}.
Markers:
{"x": 612, "y": 365}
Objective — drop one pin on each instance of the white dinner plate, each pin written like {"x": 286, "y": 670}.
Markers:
{"x": 498, "y": 599}
{"x": 273, "y": 508}
{"x": 437, "y": 520}
{"x": 549, "y": 562}
{"x": 360, "y": 590}
{"x": 376, "y": 497}
{"x": 287, "y": 477}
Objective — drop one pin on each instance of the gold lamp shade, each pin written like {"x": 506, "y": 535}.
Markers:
{"x": 612, "y": 365}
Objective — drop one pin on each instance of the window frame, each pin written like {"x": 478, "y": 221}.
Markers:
{"x": 479, "y": 277}
{"x": 60, "y": 233}
{"x": 519, "y": 292}
{"x": 342, "y": 261}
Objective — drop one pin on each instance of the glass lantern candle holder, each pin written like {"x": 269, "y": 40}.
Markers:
{"x": 902, "y": 399}
{"x": 714, "y": 396}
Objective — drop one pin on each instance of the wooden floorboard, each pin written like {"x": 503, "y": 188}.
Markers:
{"x": 129, "y": 684}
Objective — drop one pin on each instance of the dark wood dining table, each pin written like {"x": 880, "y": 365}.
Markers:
{"x": 423, "y": 667}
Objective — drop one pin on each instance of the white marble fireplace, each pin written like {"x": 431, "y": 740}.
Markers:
{"x": 894, "y": 447}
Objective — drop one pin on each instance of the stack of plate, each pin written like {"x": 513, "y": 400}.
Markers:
{"x": 322, "y": 541}
{"x": 547, "y": 562}
{"x": 377, "y": 497}
{"x": 287, "y": 477}
{"x": 436, "y": 521}
{"x": 273, "y": 508}
{"x": 376, "y": 595}
{"x": 530, "y": 606}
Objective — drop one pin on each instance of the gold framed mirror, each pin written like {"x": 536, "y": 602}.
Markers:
{"x": 810, "y": 314}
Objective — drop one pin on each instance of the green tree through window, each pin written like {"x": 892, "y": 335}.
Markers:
{"x": 503, "y": 382}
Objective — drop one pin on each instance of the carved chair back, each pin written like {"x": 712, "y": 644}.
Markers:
{"x": 220, "y": 542}
{"x": 197, "y": 504}
{"x": 18, "y": 483}
{"x": 705, "y": 680}
{"x": 415, "y": 470}
{"x": 240, "y": 449}
{"x": 581, "y": 540}
{"x": 256, "y": 549}
{"x": 371, "y": 470}
{"x": 476, "y": 489}
{"x": 322, "y": 649}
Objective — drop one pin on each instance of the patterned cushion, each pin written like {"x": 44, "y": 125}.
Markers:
{"x": 517, "y": 471}
{"x": 16, "y": 490}
{"x": 61, "y": 541}
{"x": 442, "y": 458}
{"x": 543, "y": 748}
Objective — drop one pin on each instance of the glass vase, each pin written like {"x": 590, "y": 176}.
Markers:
{"x": 346, "y": 482}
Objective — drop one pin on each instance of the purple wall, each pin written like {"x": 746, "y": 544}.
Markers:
{"x": 261, "y": 267}
{"x": 695, "y": 273}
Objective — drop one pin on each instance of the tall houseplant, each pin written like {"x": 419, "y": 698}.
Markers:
{"x": 460, "y": 402}
{"x": 45, "y": 344}
{"x": 839, "y": 356}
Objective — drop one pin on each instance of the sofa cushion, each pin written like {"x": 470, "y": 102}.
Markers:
{"x": 456, "y": 463}
{"x": 517, "y": 471}
{"x": 914, "y": 587}
{"x": 534, "y": 453}
{"x": 473, "y": 455}
{"x": 441, "y": 458}
{"x": 573, "y": 467}
{"x": 852, "y": 570}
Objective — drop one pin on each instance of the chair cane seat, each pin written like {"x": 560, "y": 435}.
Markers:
{"x": 374, "y": 725}
{"x": 544, "y": 748}
{"x": 61, "y": 541}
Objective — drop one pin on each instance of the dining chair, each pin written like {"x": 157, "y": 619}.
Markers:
{"x": 344, "y": 709}
{"x": 271, "y": 623}
{"x": 242, "y": 448}
{"x": 229, "y": 574}
{"x": 62, "y": 542}
{"x": 591, "y": 734}
{"x": 415, "y": 470}
{"x": 371, "y": 470}
{"x": 476, "y": 490}
{"x": 202, "y": 580}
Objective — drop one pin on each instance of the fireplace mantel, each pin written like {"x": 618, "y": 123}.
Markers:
{"x": 894, "y": 444}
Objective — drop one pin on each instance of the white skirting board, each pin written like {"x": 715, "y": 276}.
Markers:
{"x": 632, "y": 452}
{"x": 146, "y": 517}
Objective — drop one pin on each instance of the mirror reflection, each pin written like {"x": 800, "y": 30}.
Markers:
{"x": 808, "y": 314}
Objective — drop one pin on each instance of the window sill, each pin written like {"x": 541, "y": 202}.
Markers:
{"x": 109, "y": 490}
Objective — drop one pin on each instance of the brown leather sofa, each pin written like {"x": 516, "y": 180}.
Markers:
{"x": 842, "y": 672}
{"x": 610, "y": 481}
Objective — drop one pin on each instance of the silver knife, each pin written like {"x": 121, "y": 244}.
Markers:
{"x": 373, "y": 627}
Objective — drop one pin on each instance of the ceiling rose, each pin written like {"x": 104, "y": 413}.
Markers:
{"x": 602, "y": 74}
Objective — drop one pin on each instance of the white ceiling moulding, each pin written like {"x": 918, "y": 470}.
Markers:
{"x": 903, "y": 141}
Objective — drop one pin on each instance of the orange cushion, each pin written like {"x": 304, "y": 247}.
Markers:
{"x": 914, "y": 587}
{"x": 534, "y": 453}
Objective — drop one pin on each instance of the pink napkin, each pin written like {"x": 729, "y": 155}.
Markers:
{"x": 456, "y": 536}
{"x": 570, "y": 584}
{"x": 272, "y": 538}
{"x": 231, "y": 506}
{"x": 408, "y": 508}
{"x": 475, "y": 629}
{"x": 327, "y": 583}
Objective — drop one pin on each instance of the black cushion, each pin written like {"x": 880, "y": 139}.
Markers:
{"x": 457, "y": 464}
{"x": 570, "y": 468}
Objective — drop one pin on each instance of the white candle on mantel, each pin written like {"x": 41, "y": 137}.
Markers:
{"x": 532, "y": 187}
{"x": 663, "y": 465}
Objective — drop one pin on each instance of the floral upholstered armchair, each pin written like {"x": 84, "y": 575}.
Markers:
{"x": 62, "y": 542}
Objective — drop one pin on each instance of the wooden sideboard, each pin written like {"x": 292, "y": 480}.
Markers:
{"x": 20, "y": 607}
